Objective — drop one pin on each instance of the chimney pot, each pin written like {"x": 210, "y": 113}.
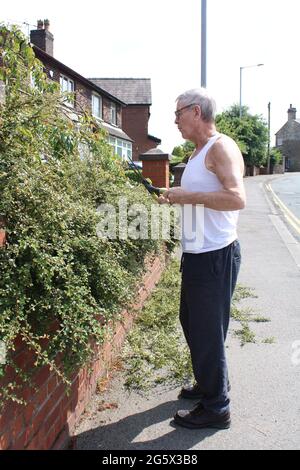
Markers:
{"x": 42, "y": 37}
{"x": 292, "y": 113}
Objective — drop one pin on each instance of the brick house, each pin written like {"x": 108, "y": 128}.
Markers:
{"x": 288, "y": 141}
{"x": 105, "y": 107}
{"x": 136, "y": 93}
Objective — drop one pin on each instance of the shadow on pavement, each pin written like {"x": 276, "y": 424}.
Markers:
{"x": 121, "y": 434}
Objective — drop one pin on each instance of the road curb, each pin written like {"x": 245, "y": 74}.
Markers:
{"x": 288, "y": 239}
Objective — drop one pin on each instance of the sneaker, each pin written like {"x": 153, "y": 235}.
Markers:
{"x": 194, "y": 392}
{"x": 199, "y": 418}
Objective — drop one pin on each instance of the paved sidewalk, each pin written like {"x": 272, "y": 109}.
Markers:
{"x": 265, "y": 399}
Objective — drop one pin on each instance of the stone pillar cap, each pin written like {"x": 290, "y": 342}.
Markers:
{"x": 180, "y": 165}
{"x": 155, "y": 154}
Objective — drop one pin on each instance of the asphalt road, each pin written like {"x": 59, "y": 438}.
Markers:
{"x": 287, "y": 189}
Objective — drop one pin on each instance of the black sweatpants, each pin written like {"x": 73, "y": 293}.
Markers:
{"x": 208, "y": 282}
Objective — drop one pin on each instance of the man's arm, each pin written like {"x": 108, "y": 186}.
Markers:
{"x": 226, "y": 161}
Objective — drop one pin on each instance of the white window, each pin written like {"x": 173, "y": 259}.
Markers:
{"x": 67, "y": 86}
{"x": 123, "y": 148}
{"x": 113, "y": 113}
{"x": 97, "y": 106}
{"x": 279, "y": 141}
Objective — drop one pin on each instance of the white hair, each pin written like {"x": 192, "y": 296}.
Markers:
{"x": 201, "y": 97}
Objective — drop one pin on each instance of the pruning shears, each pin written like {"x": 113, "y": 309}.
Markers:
{"x": 153, "y": 190}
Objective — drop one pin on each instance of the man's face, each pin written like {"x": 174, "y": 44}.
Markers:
{"x": 184, "y": 118}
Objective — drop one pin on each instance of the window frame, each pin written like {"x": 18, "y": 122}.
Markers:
{"x": 122, "y": 145}
{"x": 63, "y": 77}
{"x": 99, "y": 97}
{"x": 113, "y": 113}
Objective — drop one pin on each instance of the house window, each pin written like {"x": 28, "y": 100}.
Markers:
{"x": 32, "y": 82}
{"x": 113, "y": 113}
{"x": 121, "y": 147}
{"x": 97, "y": 106}
{"x": 279, "y": 141}
{"x": 67, "y": 86}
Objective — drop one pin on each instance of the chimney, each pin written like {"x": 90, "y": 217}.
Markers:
{"x": 292, "y": 113}
{"x": 42, "y": 38}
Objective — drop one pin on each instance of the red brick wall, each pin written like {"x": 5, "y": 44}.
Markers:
{"x": 84, "y": 94}
{"x": 49, "y": 418}
{"x": 135, "y": 123}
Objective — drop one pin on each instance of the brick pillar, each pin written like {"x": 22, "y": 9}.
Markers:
{"x": 156, "y": 167}
{"x": 177, "y": 171}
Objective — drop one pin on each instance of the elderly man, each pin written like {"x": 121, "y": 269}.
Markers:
{"x": 213, "y": 178}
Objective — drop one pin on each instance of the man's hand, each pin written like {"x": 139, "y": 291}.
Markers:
{"x": 174, "y": 196}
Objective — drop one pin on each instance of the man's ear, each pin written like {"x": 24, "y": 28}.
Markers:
{"x": 197, "y": 109}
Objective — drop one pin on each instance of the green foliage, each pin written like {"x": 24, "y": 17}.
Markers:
{"x": 178, "y": 152}
{"x": 250, "y": 132}
{"x": 275, "y": 156}
{"x": 58, "y": 278}
{"x": 182, "y": 152}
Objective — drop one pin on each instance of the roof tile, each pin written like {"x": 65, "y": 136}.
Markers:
{"x": 129, "y": 90}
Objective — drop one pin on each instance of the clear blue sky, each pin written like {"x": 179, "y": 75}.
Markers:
{"x": 160, "y": 39}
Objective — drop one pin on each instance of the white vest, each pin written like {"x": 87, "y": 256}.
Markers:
{"x": 219, "y": 228}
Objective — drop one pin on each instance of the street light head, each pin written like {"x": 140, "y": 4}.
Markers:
{"x": 250, "y": 66}
{"x": 241, "y": 70}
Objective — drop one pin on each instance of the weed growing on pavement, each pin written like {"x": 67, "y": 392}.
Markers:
{"x": 270, "y": 340}
{"x": 155, "y": 351}
{"x": 242, "y": 292}
{"x": 245, "y": 315}
{"x": 245, "y": 334}
{"x": 260, "y": 319}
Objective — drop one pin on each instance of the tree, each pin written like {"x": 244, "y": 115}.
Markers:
{"x": 250, "y": 132}
{"x": 183, "y": 152}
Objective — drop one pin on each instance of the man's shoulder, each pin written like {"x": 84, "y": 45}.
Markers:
{"x": 225, "y": 147}
{"x": 224, "y": 153}
{"x": 225, "y": 142}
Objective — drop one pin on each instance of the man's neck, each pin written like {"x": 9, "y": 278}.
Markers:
{"x": 207, "y": 131}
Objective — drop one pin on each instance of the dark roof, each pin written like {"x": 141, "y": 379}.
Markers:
{"x": 129, "y": 90}
{"x": 286, "y": 124}
{"x": 40, "y": 54}
{"x": 155, "y": 139}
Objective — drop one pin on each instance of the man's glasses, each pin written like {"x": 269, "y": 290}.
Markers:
{"x": 179, "y": 111}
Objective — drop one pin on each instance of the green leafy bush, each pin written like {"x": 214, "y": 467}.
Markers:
{"x": 60, "y": 283}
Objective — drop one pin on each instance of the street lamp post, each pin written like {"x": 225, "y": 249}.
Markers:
{"x": 203, "y": 43}
{"x": 241, "y": 70}
{"x": 269, "y": 127}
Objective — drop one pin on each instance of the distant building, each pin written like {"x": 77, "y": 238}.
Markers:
{"x": 136, "y": 93}
{"x": 288, "y": 141}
